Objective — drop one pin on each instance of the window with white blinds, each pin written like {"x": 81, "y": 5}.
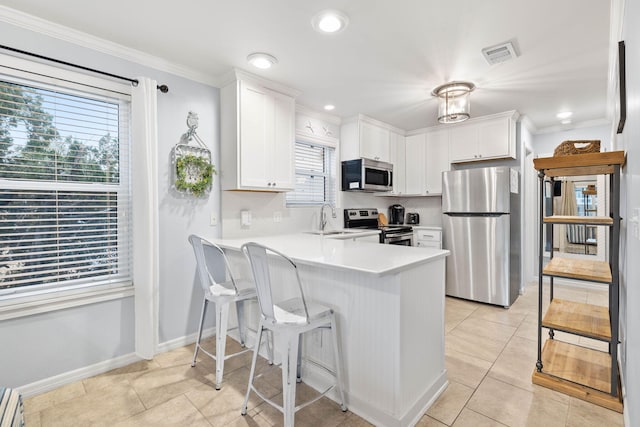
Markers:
{"x": 315, "y": 175}
{"x": 64, "y": 185}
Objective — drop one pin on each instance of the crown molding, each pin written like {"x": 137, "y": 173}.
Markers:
{"x": 528, "y": 123}
{"x": 82, "y": 39}
{"x": 236, "y": 74}
{"x": 329, "y": 118}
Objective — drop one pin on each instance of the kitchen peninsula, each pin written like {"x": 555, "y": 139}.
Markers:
{"x": 389, "y": 303}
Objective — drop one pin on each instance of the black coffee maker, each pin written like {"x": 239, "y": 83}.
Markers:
{"x": 396, "y": 214}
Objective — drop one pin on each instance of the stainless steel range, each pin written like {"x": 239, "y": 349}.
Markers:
{"x": 368, "y": 219}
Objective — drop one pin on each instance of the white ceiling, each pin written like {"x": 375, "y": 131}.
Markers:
{"x": 390, "y": 57}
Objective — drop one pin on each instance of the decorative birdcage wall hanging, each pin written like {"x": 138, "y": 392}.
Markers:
{"x": 192, "y": 166}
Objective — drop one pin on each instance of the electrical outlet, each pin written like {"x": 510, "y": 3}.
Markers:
{"x": 213, "y": 220}
{"x": 277, "y": 216}
{"x": 245, "y": 219}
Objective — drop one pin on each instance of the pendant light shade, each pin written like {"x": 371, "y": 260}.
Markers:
{"x": 453, "y": 101}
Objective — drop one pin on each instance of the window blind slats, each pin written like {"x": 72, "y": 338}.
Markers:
{"x": 64, "y": 191}
{"x": 315, "y": 175}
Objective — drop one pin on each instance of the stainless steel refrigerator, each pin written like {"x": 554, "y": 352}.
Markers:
{"x": 481, "y": 225}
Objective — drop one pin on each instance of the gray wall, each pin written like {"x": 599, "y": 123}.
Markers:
{"x": 38, "y": 347}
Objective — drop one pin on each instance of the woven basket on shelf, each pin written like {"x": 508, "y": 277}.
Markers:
{"x": 568, "y": 148}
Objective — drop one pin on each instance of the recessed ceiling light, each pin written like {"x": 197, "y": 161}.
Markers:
{"x": 329, "y": 21}
{"x": 329, "y": 107}
{"x": 262, "y": 60}
{"x": 564, "y": 115}
{"x": 565, "y": 121}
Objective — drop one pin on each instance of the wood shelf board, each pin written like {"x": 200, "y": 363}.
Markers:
{"x": 578, "y": 391}
{"x": 579, "y": 318}
{"x": 578, "y": 161}
{"x": 579, "y": 372}
{"x": 596, "y": 271}
{"x": 586, "y": 220}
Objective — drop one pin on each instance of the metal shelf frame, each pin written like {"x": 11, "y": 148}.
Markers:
{"x": 547, "y": 172}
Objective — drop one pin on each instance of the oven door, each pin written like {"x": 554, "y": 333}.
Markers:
{"x": 405, "y": 239}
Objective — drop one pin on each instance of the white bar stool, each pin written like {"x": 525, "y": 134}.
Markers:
{"x": 288, "y": 320}
{"x": 211, "y": 258}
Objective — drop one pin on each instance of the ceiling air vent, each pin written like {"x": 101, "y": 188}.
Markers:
{"x": 499, "y": 53}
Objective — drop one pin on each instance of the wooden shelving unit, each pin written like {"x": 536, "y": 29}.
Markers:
{"x": 578, "y": 371}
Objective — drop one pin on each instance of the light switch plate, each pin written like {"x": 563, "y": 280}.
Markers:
{"x": 213, "y": 220}
{"x": 277, "y": 216}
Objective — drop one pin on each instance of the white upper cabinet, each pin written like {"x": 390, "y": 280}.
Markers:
{"x": 436, "y": 160}
{"x": 257, "y": 147}
{"x": 398, "y": 158}
{"x": 365, "y": 137}
{"x": 374, "y": 142}
{"x": 485, "y": 138}
{"x": 414, "y": 170}
{"x": 427, "y": 156}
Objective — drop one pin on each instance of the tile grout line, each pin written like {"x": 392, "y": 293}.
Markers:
{"x": 488, "y": 370}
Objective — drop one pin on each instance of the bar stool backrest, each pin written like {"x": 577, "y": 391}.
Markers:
{"x": 209, "y": 259}
{"x": 258, "y": 256}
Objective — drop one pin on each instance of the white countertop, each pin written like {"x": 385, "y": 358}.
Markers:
{"x": 345, "y": 233}
{"x": 426, "y": 227}
{"x": 343, "y": 254}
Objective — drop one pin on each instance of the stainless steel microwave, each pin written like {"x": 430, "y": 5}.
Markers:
{"x": 367, "y": 175}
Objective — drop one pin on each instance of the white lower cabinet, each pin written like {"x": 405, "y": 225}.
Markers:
{"x": 427, "y": 237}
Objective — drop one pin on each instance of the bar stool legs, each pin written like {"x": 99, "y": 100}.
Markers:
{"x": 204, "y": 311}
{"x": 290, "y": 340}
{"x": 336, "y": 358}
{"x": 222, "y": 323}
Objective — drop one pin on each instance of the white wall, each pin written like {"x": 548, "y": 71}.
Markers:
{"x": 630, "y": 267}
{"x": 263, "y": 205}
{"x": 545, "y": 143}
{"x": 39, "y": 347}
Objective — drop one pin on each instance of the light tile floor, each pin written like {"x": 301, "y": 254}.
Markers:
{"x": 490, "y": 355}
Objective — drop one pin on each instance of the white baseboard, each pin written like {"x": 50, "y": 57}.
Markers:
{"x": 65, "y": 378}
{"x": 56, "y": 381}
{"x": 319, "y": 379}
{"x": 184, "y": 340}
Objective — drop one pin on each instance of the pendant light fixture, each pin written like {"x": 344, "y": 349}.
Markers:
{"x": 453, "y": 101}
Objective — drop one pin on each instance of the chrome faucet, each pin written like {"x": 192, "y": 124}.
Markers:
{"x": 323, "y": 218}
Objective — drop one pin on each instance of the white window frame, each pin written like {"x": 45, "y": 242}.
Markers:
{"x": 323, "y": 142}
{"x": 25, "y": 302}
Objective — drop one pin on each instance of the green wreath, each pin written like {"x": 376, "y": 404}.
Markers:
{"x": 190, "y": 165}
